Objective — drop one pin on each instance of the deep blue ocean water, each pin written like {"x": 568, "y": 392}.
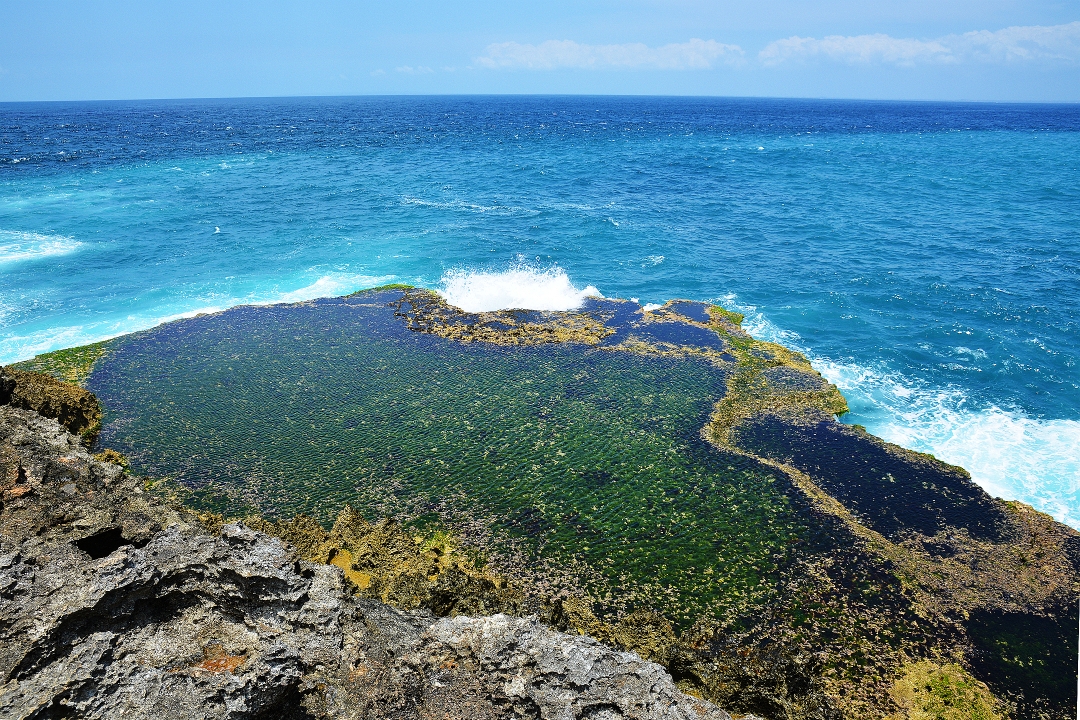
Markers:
{"x": 925, "y": 256}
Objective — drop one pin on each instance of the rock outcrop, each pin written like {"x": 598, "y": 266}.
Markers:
{"x": 113, "y": 604}
{"x": 77, "y": 409}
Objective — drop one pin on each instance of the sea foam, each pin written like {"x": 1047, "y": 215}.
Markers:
{"x": 16, "y": 246}
{"x": 1009, "y": 453}
{"x": 520, "y": 287}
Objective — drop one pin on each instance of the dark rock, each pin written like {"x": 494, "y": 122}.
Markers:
{"x": 890, "y": 489}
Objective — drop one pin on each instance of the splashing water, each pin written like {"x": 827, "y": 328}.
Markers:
{"x": 520, "y": 287}
{"x": 1009, "y": 453}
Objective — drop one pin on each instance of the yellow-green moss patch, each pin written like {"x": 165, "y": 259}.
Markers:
{"x": 71, "y": 365}
{"x": 928, "y": 691}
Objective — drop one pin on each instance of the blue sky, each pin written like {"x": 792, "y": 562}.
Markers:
{"x": 998, "y": 50}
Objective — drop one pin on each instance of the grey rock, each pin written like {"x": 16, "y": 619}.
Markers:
{"x": 115, "y": 605}
{"x": 562, "y": 676}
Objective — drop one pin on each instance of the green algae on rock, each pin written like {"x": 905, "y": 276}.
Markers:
{"x": 927, "y": 691}
{"x": 395, "y": 418}
{"x": 622, "y": 462}
{"x": 71, "y": 365}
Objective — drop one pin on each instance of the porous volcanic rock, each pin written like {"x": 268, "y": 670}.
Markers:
{"x": 113, "y": 604}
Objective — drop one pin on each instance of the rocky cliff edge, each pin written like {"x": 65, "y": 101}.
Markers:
{"x": 114, "y": 605}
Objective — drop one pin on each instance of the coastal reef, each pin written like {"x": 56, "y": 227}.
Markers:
{"x": 425, "y": 311}
{"x": 114, "y": 604}
{"x": 658, "y": 480}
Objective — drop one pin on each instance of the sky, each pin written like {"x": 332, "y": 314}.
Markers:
{"x": 986, "y": 50}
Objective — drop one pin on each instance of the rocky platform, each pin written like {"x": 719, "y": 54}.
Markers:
{"x": 892, "y": 586}
{"x": 115, "y": 605}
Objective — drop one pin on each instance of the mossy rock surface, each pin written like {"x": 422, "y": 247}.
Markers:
{"x": 73, "y": 407}
{"x": 71, "y": 365}
{"x": 661, "y": 480}
{"x": 929, "y": 691}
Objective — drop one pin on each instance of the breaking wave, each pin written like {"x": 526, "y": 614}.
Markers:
{"x": 1008, "y": 452}
{"x": 520, "y": 287}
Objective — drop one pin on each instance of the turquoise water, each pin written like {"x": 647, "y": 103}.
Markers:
{"x": 926, "y": 257}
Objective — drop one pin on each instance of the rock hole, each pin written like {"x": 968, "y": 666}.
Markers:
{"x": 105, "y": 543}
{"x": 20, "y": 478}
{"x": 602, "y": 711}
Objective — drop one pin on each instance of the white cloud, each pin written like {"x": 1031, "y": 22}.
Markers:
{"x": 410, "y": 70}
{"x": 555, "y": 54}
{"x": 1035, "y": 42}
{"x": 1032, "y": 42}
{"x": 855, "y": 49}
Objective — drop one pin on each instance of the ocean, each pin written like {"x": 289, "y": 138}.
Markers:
{"x": 924, "y": 256}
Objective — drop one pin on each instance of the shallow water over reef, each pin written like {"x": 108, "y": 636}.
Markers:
{"x": 593, "y": 454}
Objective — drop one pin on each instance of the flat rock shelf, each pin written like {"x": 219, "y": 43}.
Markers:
{"x": 658, "y": 479}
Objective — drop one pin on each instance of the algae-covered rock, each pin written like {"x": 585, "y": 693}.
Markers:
{"x": 385, "y": 561}
{"x": 929, "y": 691}
{"x": 74, "y": 408}
{"x": 425, "y": 311}
{"x": 71, "y": 365}
{"x": 114, "y": 605}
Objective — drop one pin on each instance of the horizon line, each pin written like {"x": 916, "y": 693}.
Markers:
{"x": 540, "y": 95}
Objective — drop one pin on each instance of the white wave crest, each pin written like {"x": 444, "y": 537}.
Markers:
{"x": 328, "y": 286}
{"x": 1009, "y": 453}
{"x": 16, "y": 246}
{"x": 519, "y": 288}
